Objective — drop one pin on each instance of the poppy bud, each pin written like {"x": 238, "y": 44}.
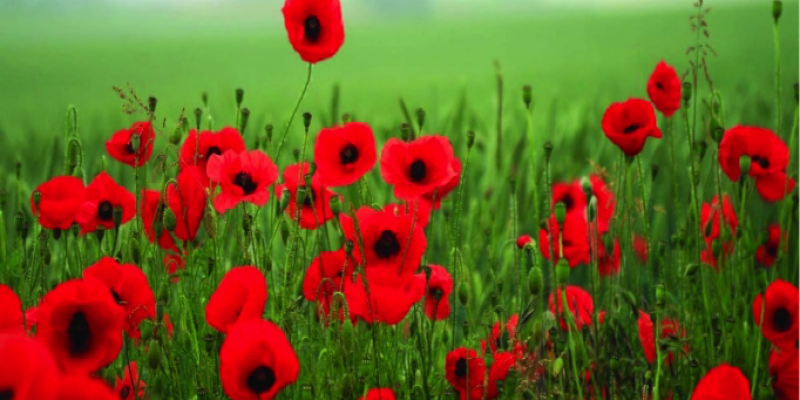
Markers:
{"x": 608, "y": 242}
{"x": 204, "y": 97}
{"x": 307, "y": 180}
{"x": 198, "y": 116}
{"x": 404, "y": 131}
{"x": 135, "y": 142}
{"x": 244, "y": 119}
{"x": 301, "y": 195}
{"x": 744, "y": 165}
{"x": 591, "y": 211}
{"x": 37, "y": 198}
{"x": 154, "y": 355}
{"x": 169, "y": 220}
{"x": 562, "y": 272}
{"x": 420, "y": 118}
{"x": 586, "y": 186}
{"x": 527, "y": 96}
{"x": 777, "y": 10}
{"x": 151, "y": 104}
{"x": 247, "y": 223}
{"x": 535, "y": 281}
{"x": 463, "y": 294}
{"x": 470, "y": 139}
{"x": 717, "y": 131}
{"x": 268, "y": 129}
{"x": 335, "y": 204}
{"x": 653, "y": 172}
{"x": 690, "y": 270}
{"x": 660, "y": 294}
{"x": 239, "y": 96}
{"x": 176, "y": 136}
{"x": 687, "y": 91}
{"x": 74, "y": 155}
{"x": 306, "y": 120}
{"x": 556, "y": 367}
{"x": 548, "y": 149}
{"x": 716, "y": 248}
{"x": 561, "y": 213}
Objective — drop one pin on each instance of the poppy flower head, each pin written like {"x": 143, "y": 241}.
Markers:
{"x": 81, "y": 324}
{"x": 386, "y": 297}
{"x": 325, "y": 276}
{"x": 710, "y": 226}
{"x": 244, "y": 176}
{"x": 315, "y": 28}
{"x": 722, "y": 382}
{"x": 465, "y": 370}
{"x": 606, "y": 202}
{"x": 502, "y": 336}
{"x": 124, "y": 386}
{"x": 571, "y": 195}
{"x": 33, "y": 374}
{"x": 669, "y": 328}
{"x": 523, "y": 240}
{"x": 628, "y": 124}
{"x": 664, "y": 89}
{"x": 783, "y": 368}
{"x": 101, "y": 197}
{"x": 152, "y": 214}
{"x": 769, "y": 157}
{"x": 640, "y": 248}
{"x": 343, "y": 154}
{"x": 10, "y": 311}
{"x": 574, "y": 239}
{"x": 577, "y": 300}
{"x": 256, "y": 361}
{"x": 198, "y": 149}
{"x": 379, "y": 394}
{"x": 435, "y": 196}
{"x": 60, "y": 199}
{"x": 187, "y": 200}
{"x": 315, "y": 209}
{"x": 82, "y": 387}
{"x": 439, "y": 288}
{"x": 240, "y": 296}
{"x": 780, "y": 318}
{"x": 419, "y": 167}
{"x": 132, "y": 146}
{"x": 768, "y": 252}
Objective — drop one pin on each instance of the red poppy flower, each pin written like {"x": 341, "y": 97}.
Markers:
{"x": 422, "y": 209}
{"x": 386, "y": 297}
{"x": 128, "y": 285}
{"x": 239, "y": 297}
{"x": 124, "y": 386}
{"x": 578, "y": 300}
{"x": 640, "y": 248}
{"x": 121, "y": 148}
{"x": 10, "y": 311}
{"x": 343, "y": 154}
{"x": 466, "y": 371}
{"x": 722, "y": 383}
{"x": 503, "y": 362}
{"x": 315, "y": 28}
{"x": 81, "y": 325}
{"x": 440, "y": 286}
{"x": 769, "y": 157}
{"x": 99, "y": 201}
{"x": 435, "y": 197}
{"x": 523, "y": 240}
{"x": 82, "y": 387}
{"x": 606, "y": 203}
{"x": 386, "y": 240}
{"x": 710, "y": 226}
{"x": 315, "y": 210}
{"x": 781, "y": 312}
{"x": 199, "y": 148}
{"x": 628, "y": 124}
{"x": 379, "y": 394}
{"x": 152, "y": 215}
{"x": 608, "y": 264}
{"x": 245, "y": 176}
{"x": 574, "y": 239}
{"x": 28, "y": 370}
{"x": 330, "y": 266}
{"x": 664, "y": 89}
{"x": 187, "y": 200}
{"x": 571, "y": 194}
{"x": 419, "y": 167}
{"x": 31, "y": 316}
{"x": 59, "y": 202}
{"x": 256, "y": 361}
{"x": 784, "y": 372}
{"x": 768, "y": 252}
{"x": 669, "y": 328}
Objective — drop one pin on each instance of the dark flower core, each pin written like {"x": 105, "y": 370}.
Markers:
{"x": 782, "y": 320}
{"x": 79, "y": 334}
{"x": 630, "y": 129}
{"x": 310, "y": 196}
{"x": 772, "y": 250}
{"x": 212, "y": 151}
{"x": 762, "y": 162}
{"x": 659, "y": 86}
{"x": 245, "y": 181}
{"x": 261, "y": 379}
{"x": 6, "y": 394}
{"x": 568, "y": 202}
{"x": 105, "y": 211}
{"x": 436, "y": 293}
{"x": 312, "y": 29}
{"x": 129, "y": 148}
{"x": 387, "y": 245}
{"x": 461, "y": 368}
{"x": 348, "y": 154}
{"x": 117, "y": 298}
{"x": 417, "y": 171}
{"x": 124, "y": 392}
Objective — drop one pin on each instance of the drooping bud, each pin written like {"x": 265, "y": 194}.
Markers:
{"x": 243, "y": 121}
{"x": 463, "y": 294}
{"x": 535, "y": 281}
{"x": 470, "y": 139}
{"x": 717, "y": 131}
{"x": 586, "y": 186}
{"x": 154, "y": 355}
{"x": 239, "y": 97}
{"x": 74, "y": 156}
{"x": 561, "y": 213}
{"x": 405, "y": 132}
{"x": 687, "y": 92}
{"x": 562, "y": 272}
{"x": 176, "y": 136}
{"x": 286, "y": 197}
{"x": 151, "y": 104}
{"x": 306, "y": 120}
{"x": 777, "y": 10}
{"x": 548, "y": 150}
{"x": 198, "y": 117}
{"x": 690, "y": 270}
{"x": 335, "y": 204}
{"x": 527, "y": 96}
{"x": 420, "y": 118}
{"x": 591, "y": 211}
{"x": 744, "y": 165}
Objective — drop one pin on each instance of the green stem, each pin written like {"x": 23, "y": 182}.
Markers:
{"x": 776, "y": 37}
{"x": 277, "y": 154}
{"x": 758, "y": 348}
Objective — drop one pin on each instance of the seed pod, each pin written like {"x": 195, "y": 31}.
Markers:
{"x": 239, "y": 97}
{"x": 154, "y": 355}
{"x": 169, "y": 219}
{"x": 527, "y": 96}
{"x": 687, "y": 91}
{"x": 243, "y": 121}
{"x": 562, "y": 272}
{"x": 548, "y": 150}
{"x": 463, "y": 294}
{"x": 151, "y": 104}
{"x": 198, "y": 117}
{"x": 535, "y": 281}
{"x": 777, "y": 10}
{"x": 306, "y": 120}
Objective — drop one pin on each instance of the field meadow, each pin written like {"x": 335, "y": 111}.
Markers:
{"x": 219, "y": 284}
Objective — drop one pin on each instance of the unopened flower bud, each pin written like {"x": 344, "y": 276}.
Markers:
{"x": 687, "y": 91}
{"x": 522, "y": 240}
{"x": 306, "y": 120}
{"x": 151, "y": 104}
{"x": 404, "y": 132}
{"x": 420, "y": 118}
{"x": 744, "y": 165}
{"x": 470, "y": 139}
{"x": 176, "y": 136}
{"x": 335, "y": 203}
{"x": 74, "y": 155}
{"x": 169, "y": 219}
{"x": 717, "y": 131}
{"x": 204, "y": 97}
{"x": 690, "y": 270}
{"x": 463, "y": 294}
{"x": 134, "y": 142}
{"x": 561, "y": 213}
{"x": 268, "y": 130}
{"x": 586, "y": 186}
{"x": 239, "y": 97}
{"x": 548, "y": 150}
{"x": 301, "y": 195}
{"x": 535, "y": 281}
{"x": 591, "y": 211}
{"x": 198, "y": 117}
{"x": 154, "y": 355}
{"x": 777, "y": 10}
{"x": 527, "y": 96}
{"x": 286, "y": 197}
{"x": 243, "y": 121}
{"x": 562, "y": 272}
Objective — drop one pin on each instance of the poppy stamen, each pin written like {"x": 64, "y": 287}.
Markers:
{"x": 417, "y": 171}
{"x": 213, "y": 151}
{"x": 461, "y": 367}
{"x": 261, "y": 379}
{"x": 245, "y": 181}
{"x": 782, "y": 320}
{"x": 348, "y": 154}
{"x": 129, "y": 148}
{"x": 105, "y": 211}
{"x": 387, "y": 245}
{"x": 762, "y": 162}
{"x": 79, "y": 334}
{"x": 436, "y": 293}
{"x": 117, "y": 298}
{"x": 6, "y": 394}
{"x": 312, "y": 29}
{"x": 630, "y": 129}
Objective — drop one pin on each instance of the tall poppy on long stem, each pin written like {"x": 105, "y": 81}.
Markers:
{"x": 769, "y": 160}
{"x": 423, "y": 167}
{"x": 315, "y": 28}
{"x": 628, "y": 124}
{"x": 664, "y": 89}
{"x": 243, "y": 177}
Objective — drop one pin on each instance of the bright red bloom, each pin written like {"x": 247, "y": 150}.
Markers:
{"x": 28, "y": 371}
{"x": 466, "y": 372}
{"x": 343, "y": 154}
{"x": 419, "y": 167}
{"x": 315, "y": 210}
{"x": 522, "y": 240}
{"x": 379, "y": 394}
{"x": 245, "y": 176}
{"x": 640, "y": 248}
{"x": 187, "y": 200}
{"x": 124, "y": 387}
{"x": 664, "y": 89}
{"x": 121, "y": 148}
{"x": 330, "y": 266}
{"x": 152, "y": 219}
{"x": 606, "y": 203}
{"x": 435, "y": 197}
{"x": 502, "y": 364}
{"x": 128, "y": 285}
{"x": 669, "y": 329}
{"x": 608, "y": 264}
{"x": 784, "y": 372}
{"x": 710, "y": 226}
{"x": 571, "y": 194}
{"x": 422, "y": 209}
{"x": 83, "y": 387}
{"x": 389, "y": 299}
{"x": 768, "y": 252}
{"x": 199, "y": 148}
{"x": 574, "y": 238}
{"x": 10, "y": 311}
{"x": 781, "y": 307}
{"x": 81, "y": 325}
{"x": 769, "y": 157}
{"x": 61, "y": 198}
{"x": 256, "y": 361}
{"x": 440, "y": 286}
{"x": 628, "y": 124}
{"x": 239, "y": 297}
{"x": 722, "y": 383}
{"x": 577, "y": 300}
{"x": 315, "y": 28}
{"x": 174, "y": 263}
{"x": 386, "y": 240}
{"x": 99, "y": 201}
{"x": 575, "y": 202}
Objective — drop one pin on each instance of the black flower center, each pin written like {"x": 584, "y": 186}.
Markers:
{"x": 78, "y": 334}
{"x": 105, "y": 211}
{"x": 568, "y": 202}
{"x": 461, "y": 368}
{"x": 129, "y": 148}
{"x": 245, "y": 181}
{"x": 436, "y": 293}
{"x": 762, "y": 162}
{"x": 782, "y": 320}
{"x": 387, "y": 245}
{"x": 310, "y": 196}
{"x": 312, "y": 29}
{"x": 261, "y": 379}
{"x": 6, "y": 394}
{"x": 772, "y": 250}
{"x": 659, "y": 86}
{"x": 124, "y": 392}
{"x": 630, "y": 129}
{"x": 417, "y": 170}
{"x": 117, "y": 298}
{"x": 212, "y": 151}
{"x": 348, "y": 154}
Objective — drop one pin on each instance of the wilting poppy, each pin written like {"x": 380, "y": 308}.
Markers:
{"x": 523, "y": 240}
{"x": 769, "y": 158}
{"x": 199, "y": 148}
{"x": 343, "y": 154}
{"x": 768, "y": 252}
{"x": 669, "y": 329}
{"x": 81, "y": 324}
{"x": 439, "y": 288}
{"x": 10, "y": 311}
{"x": 256, "y": 361}
{"x": 128, "y": 285}
{"x": 419, "y": 167}
{"x": 315, "y": 28}
{"x": 640, "y": 248}
{"x": 83, "y": 387}
{"x": 99, "y": 201}
{"x": 664, "y": 89}
{"x": 28, "y": 370}
{"x": 379, "y": 394}
{"x": 385, "y": 297}
{"x": 59, "y": 202}
{"x": 710, "y": 226}
{"x": 465, "y": 370}
{"x": 135, "y": 152}
{"x": 784, "y": 372}
{"x": 628, "y": 124}
{"x": 573, "y": 237}
{"x": 315, "y": 210}
{"x": 245, "y": 176}
{"x": 419, "y": 208}
{"x": 781, "y": 306}
{"x": 389, "y": 240}
{"x": 722, "y": 382}
{"x": 577, "y": 300}
{"x": 124, "y": 388}
{"x": 324, "y": 277}
{"x": 240, "y": 296}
